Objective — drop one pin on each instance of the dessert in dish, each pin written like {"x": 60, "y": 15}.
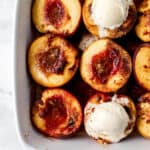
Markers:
{"x": 103, "y": 109}
{"x": 105, "y": 66}
{"x": 109, "y": 18}
{"x": 57, "y": 114}
{"x": 141, "y": 65}
{"x": 142, "y": 27}
{"x": 56, "y": 16}
{"x": 143, "y": 115}
{"x": 86, "y": 40}
{"x": 52, "y": 61}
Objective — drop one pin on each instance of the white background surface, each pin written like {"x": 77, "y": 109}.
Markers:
{"x": 8, "y": 136}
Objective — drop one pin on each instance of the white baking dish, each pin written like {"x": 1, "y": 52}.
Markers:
{"x": 29, "y": 138}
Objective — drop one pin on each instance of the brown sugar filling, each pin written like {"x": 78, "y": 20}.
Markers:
{"x": 55, "y": 12}
{"x": 105, "y": 64}
{"x": 52, "y": 61}
{"x": 54, "y": 112}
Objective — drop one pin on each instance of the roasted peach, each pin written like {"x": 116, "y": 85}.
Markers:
{"x": 52, "y": 61}
{"x": 111, "y": 29}
{"x": 109, "y": 118}
{"x": 143, "y": 115}
{"x": 57, "y": 114}
{"x": 56, "y": 16}
{"x": 142, "y": 28}
{"x": 141, "y": 65}
{"x": 105, "y": 66}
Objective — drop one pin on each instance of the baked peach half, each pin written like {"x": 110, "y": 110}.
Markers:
{"x": 109, "y": 18}
{"x": 56, "y": 16}
{"x": 142, "y": 27}
{"x": 57, "y": 114}
{"x": 105, "y": 66}
{"x": 52, "y": 61}
{"x": 109, "y": 118}
{"x": 143, "y": 115}
{"x": 141, "y": 65}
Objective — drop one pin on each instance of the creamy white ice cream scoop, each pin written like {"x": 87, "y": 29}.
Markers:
{"x": 107, "y": 121}
{"x": 109, "y": 14}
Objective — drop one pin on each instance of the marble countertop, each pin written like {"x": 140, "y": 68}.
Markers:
{"x": 8, "y": 136}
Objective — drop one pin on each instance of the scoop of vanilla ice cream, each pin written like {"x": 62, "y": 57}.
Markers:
{"x": 110, "y": 13}
{"x": 107, "y": 121}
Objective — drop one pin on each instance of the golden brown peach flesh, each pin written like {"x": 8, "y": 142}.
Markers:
{"x": 123, "y": 100}
{"x": 57, "y": 114}
{"x": 52, "y": 61}
{"x": 105, "y": 66}
{"x": 144, "y": 6}
{"x": 110, "y": 33}
{"x": 56, "y": 16}
{"x": 142, "y": 28}
{"x": 143, "y": 115}
{"x": 141, "y": 65}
